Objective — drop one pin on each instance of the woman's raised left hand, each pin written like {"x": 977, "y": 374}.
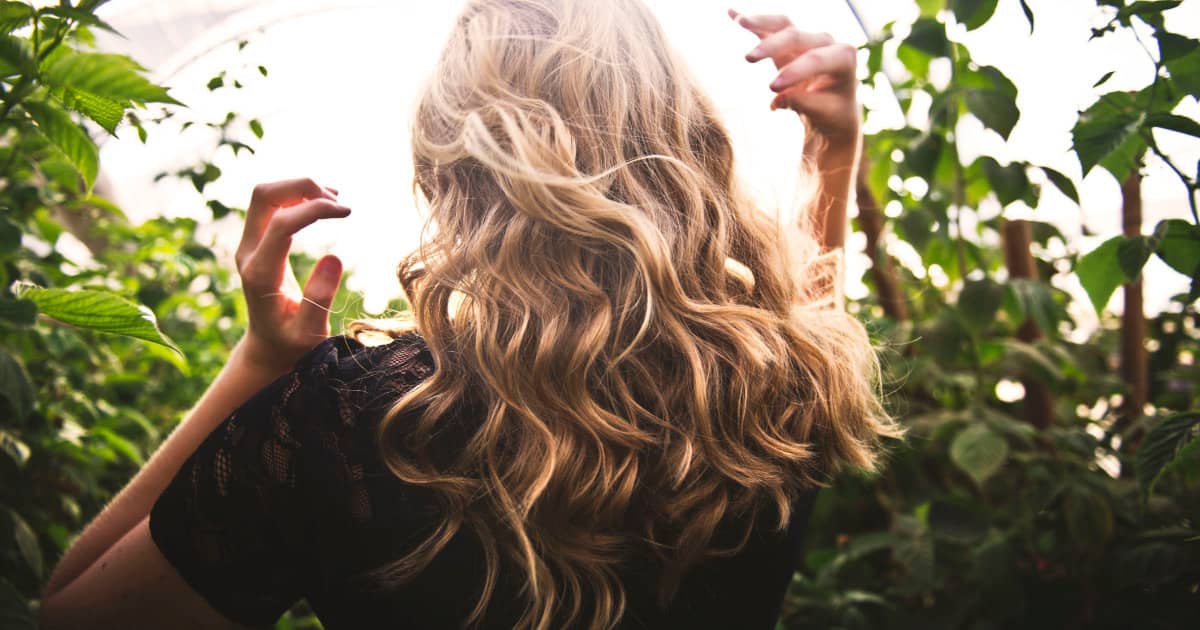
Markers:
{"x": 285, "y": 322}
{"x": 817, "y": 75}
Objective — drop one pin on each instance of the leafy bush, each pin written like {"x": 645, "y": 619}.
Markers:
{"x": 1075, "y": 505}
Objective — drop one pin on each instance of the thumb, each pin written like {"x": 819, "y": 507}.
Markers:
{"x": 319, "y": 292}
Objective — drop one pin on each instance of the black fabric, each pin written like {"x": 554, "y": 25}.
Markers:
{"x": 288, "y": 498}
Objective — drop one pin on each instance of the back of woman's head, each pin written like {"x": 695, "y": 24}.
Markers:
{"x": 643, "y": 363}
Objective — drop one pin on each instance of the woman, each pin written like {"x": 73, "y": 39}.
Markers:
{"x": 620, "y": 399}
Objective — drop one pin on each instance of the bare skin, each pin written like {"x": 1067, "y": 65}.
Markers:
{"x": 115, "y": 576}
{"x": 816, "y": 80}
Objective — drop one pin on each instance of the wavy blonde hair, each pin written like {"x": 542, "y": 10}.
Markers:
{"x": 643, "y": 361}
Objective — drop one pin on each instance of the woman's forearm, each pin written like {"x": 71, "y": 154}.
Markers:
{"x": 837, "y": 166}
{"x": 235, "y": 384}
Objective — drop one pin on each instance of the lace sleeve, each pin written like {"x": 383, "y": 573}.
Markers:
{"x": 235, "y": 522}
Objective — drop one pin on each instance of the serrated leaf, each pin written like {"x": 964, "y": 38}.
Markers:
{"x": 1108, "y": 134}
{"x": 97, "y": 310}
{"x": 62, "y": 131}
{"x": 16, "y": 56}
{"x": 15, "y": 387}
{"x": 973, "y": 13}
{"x": 978, "y": 452}
{"x": 1062, "y": 183}
{"x": 81, "y": 16}
{"x": 1179, "y": 246}
{"x": 115, "y": 77}
{"x": 1162, "y": 445}
{"x": 996, "y": 110}
{"x": 1099, "y": 272}
{"x": 103, "y": 111}
{"x": 14, "y": 15}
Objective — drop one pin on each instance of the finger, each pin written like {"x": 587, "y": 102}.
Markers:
{"x": 786, "y": 44}
{"x": 761, "y": 25}
{"x": 319, "y": 292}
{"x": 839, "y": 61}
{"x": 267, "y": 198}
{"x": 265, "y": 267}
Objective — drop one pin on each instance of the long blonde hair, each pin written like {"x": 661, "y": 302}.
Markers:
{"x": 644, "y": 364}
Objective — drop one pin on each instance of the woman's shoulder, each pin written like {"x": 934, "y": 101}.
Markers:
{"x": 366, "y": 371}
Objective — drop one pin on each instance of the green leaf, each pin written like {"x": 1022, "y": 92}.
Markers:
{"x": 1062, "y": 183}
{"x": 1174, "y": 122}
{"x": 979, "y": 301}
{"x": 1179, "y": 246}
{"x": 69, "y": 137}
{"x": 929, "y": 36}
{"x": 1088, "y": 516}
{"x": 10, "y": 236}
{"x": 1034, "y": 300}
{"x": 1100, "y": 272}
{"x": 1162, "y": 445}
{"x": 18, "y": 312}
{"x": 973, "y": 13}
{"x": 14, "y": 610}
{"x": 930, "y": 8}
{"x": 26, "y": 543}
{"x": 98, "y": 310}
{"x": 1133, "y": 253}
{"x": 995, "y": 109}
{"x": 257, "y": 128}
{"x": 1028, "y": 15}
{"x": 115, "y": 77}
{"x": 14, "y": 15}
{"x": 979, "y": 452}
{"x": 103, "y": 111}
{"x": 923, "y": 155}
{"x": 1104, "y": 79}
{"x": 1010, "y": 182}
{"x": 16, "y": 56}
{"x": 15, "y": 387}
{"x": 1108, "y": 134}
{"x": 15, "y": 449}
{"x": 87, "y": 18}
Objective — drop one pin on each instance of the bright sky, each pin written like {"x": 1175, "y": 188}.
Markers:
{"x": 343, "y": 78}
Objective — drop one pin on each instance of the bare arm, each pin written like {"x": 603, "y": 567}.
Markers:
{"x": 113, "y": 575}
{"x": 817, "y": 80}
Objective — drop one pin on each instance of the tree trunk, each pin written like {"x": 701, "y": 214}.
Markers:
{"x": 1039, "y": 404}
{"x": 883, "y": 270}
{"x": 1134, "y": 367}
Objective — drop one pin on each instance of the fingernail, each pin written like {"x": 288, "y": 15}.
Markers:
{"x": 777, "y": 85}
{"x": 754, "y": 55}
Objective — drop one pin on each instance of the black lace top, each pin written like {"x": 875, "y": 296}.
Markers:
{"x": 288, "y": 499}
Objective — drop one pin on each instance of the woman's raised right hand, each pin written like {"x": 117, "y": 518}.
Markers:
{"x": 285, "y": 322}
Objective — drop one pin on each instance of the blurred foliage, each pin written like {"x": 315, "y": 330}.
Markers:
{"x": 982, "y": 519}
